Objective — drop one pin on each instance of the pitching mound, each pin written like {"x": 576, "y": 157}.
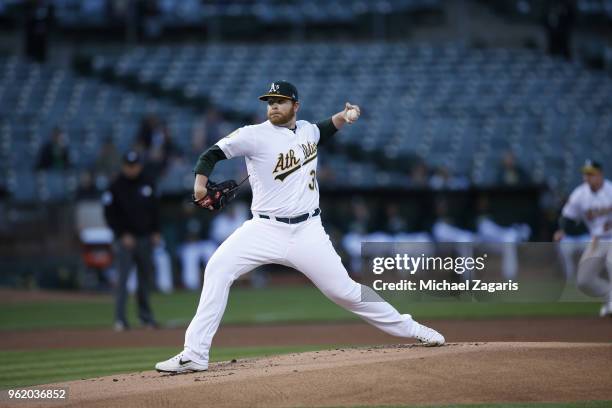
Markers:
{"x": 406, "y": 374}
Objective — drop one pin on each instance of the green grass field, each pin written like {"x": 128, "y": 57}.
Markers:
{"x": 271, "y": 305}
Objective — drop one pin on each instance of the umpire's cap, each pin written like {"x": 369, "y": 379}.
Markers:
{"x": 281, "y": 89}
{"x": 591, "y": 167}
{"x": 131, "y": 157}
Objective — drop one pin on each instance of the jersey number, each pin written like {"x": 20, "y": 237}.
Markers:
{"x": 313, "y": 182}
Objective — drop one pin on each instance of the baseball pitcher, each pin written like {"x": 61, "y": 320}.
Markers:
{"x": 281, "y": 160}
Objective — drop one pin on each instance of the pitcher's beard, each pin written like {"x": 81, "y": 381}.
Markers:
{"x": 281, "y": 119}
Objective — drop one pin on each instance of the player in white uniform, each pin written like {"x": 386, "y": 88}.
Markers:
{"x": 591, "y": 203}
{"x": 281, "y": 159}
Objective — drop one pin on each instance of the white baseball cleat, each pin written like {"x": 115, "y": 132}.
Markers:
{"x": 606, "y": 310}
{"x": 180, "y": 364}
{"x": 428, "y": 336}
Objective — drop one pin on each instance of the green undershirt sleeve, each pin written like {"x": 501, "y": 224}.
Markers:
{"x": 208, "y": 159}
{"x": 566, "y": 223}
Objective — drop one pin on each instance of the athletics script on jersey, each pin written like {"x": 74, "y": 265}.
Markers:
{"x": 593, "y": 213}
{"x": 288, "y": 163}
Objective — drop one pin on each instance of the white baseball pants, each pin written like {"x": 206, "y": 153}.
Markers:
{"x": 596, "y": 260}
{"x": 305, "y": 247}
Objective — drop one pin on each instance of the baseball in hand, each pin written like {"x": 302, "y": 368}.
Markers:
{"x": 352, "y": 113}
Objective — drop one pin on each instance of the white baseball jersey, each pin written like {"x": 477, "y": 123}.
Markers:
{"x": 593, "y": 208}
{"x": 281, "y": 164}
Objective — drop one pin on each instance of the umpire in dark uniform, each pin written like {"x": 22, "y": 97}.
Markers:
{"x": 131, "y": 209}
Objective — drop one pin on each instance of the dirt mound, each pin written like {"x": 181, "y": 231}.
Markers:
{"x": 405, "y": 374}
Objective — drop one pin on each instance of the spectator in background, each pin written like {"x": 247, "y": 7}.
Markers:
{"x": 361, "y": 216}
{"x": 559, "y": 24}
{"x": 396, "y": 223}
{"x": 39, "y": 15}
{"x": 107, "y": 163}
{"x": 54, "y": 154}
{"x": 149, "y": 126}
{"x": 131, "y": 210}
{"x": 148, "y": 19}
{"x": 160, "y": 151}
{"x": 510, "y": 173}
{"x": 419, "y": 175}
{"x": 442, "y": 179}
{"x": 155, "y": 143}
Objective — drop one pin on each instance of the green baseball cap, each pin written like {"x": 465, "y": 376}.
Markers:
{"x": 281, "y": 89}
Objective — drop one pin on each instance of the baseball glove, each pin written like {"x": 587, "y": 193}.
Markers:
{"x": 218, "y": 195}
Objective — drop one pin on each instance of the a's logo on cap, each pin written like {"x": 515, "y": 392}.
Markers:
{"x": 132, "y": 156}
{"x": 274, "y": 88}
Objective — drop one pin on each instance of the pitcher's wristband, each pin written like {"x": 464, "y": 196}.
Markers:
{"x": 326, "y": 130}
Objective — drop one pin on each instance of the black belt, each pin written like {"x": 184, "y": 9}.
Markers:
{"x": 293, "y": 220}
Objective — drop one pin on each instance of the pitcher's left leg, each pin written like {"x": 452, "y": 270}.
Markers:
{"x": 313, "y": 254}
